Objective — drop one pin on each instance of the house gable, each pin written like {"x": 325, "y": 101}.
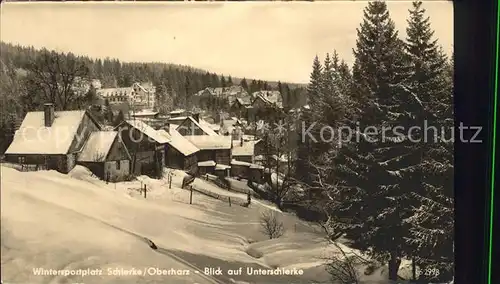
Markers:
{"x": 260, "y": 103}
{"x": 87, "y": 125}
{"x": 118, "y": 151}
{"x": 188, "y": 127}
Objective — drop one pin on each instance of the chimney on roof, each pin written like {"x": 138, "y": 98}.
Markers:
{"x": 196, "y": 117}
{"x": 166, "y": 126}
{"x": 49, "y": 115}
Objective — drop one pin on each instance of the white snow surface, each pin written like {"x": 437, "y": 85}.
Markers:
{"x": 206, "y": 142}
{"x": 180, "y": 143}
{"x": 164, "y": 133}
{"x": 34, "y": 138}
{"x": 76, "y": 221}
{"x": 97, "y": 147}
{"x": 148, "y": 131}
{"x": 240, "y": 163}
{"x": 145, "y": 112}
{"x": 177, "y": 111}
{"x": 221, "y": 167}
{"x": 204, "y": 125}
{"x": 207, "y": 164}
{"x": 247, "y": 149}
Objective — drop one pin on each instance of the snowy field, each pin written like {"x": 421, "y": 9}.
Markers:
{"x": 75, "y": 221}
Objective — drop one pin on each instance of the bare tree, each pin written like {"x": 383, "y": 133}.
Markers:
{"x": 277, "y": 154}
{"x": 343, "y": 267}
{"x": 58, "y": 78}
{"x": 271, "y": 225}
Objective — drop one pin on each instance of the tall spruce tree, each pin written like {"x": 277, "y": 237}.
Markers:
{"x": 244, "y": 84}
{"x": 223, "y": 81}
{"x": 430, "y": 242}
{"x": 328, "y": 77}
{"x": 370, "y": 198}
{"x": 315, "y": 79}
{"x": 304, "y": 145}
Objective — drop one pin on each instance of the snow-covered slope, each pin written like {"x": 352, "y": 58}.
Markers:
{"x": 55, "y": 221}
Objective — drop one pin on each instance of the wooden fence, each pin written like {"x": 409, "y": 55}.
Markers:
{"x": 228, "y": 199}
{"x": 225, "y": 184}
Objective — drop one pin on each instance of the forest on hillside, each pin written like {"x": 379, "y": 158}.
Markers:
{"x": 30, "y": 77}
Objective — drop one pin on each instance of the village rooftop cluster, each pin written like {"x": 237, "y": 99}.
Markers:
{"x": 145, "y": 142}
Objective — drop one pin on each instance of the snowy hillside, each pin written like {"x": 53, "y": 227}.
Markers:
{"x": 70, "y": 222}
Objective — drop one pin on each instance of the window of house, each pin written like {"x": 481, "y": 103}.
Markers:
{"x": 117, "y": 165}
{"x": 21, "y": 160}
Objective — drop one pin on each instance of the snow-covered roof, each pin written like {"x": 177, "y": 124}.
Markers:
{"x": 246, "y": 150}
{"x": 145, "y": 113}
{"x": 221, "y": 167}
{"x": 97, "y": 147}
{"x": 215, "y": 127}
{"x": 255, "y": 166}
{"x": 34, "y": 138}
{"x": 245, "y": 101}
{"x": 270, "y": 97}
{"x": 240, "y": 163}
{"x": 140, "y": 86}
{"x": 206, "y": 164}
{"x": 228, "y": 125}
{"x": 178, "y": 111}
{"x": 206, "y": 142}
{"x": 180, "y": 118}
{"x": 180, "y": 143}
{"x": 205, "y": 126}
{"x": 164, "y": 133}
{"x": 148, "y": 130}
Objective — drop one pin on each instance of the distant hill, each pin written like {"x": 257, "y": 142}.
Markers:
{"x": 180, "y": 81}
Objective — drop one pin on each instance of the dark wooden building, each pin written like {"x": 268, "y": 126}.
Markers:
{"x": 256, "y": 173}
{"x": 212, "y": 148}
{"x": 206, "y": 167}
{"x": 146, "y": 147}
{"x": 267, "y": 105}
{"x": 105, "y": 155}
{"x": 51, "y": 139}
{"x": 180, "y": 153}
{"x": 239, "y": 108}
{"x": 240, "y": 169}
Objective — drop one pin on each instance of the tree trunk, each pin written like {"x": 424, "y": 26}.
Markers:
{"x": 394, "y": 263}
{"x": 413, "y": 270}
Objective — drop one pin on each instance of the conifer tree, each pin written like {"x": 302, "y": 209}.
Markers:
{"x": 430, "y": 243}
{"x": 215, "y": 80}
{"x": 229, "y": 81}
{"x": 304, "y": 144}
{"x": 371, "y": 197}
{"x": 328, "y": 77}
{"x": 254, "y": 87}
{"x": 316, "y": 76}
{"x": 223, "y": 82}
{"x": 244, "y": 84}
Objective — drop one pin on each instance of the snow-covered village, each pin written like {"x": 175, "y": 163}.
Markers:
{"x": 172, "y": 168}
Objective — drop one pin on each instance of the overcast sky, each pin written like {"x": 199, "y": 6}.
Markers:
{"x": 262, "y": 40}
